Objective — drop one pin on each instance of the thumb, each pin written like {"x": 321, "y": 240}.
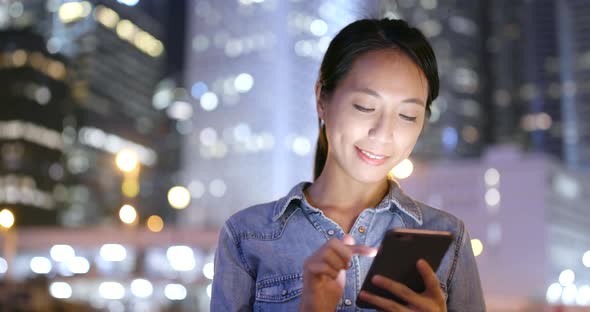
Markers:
{"x": 348, "y": 240}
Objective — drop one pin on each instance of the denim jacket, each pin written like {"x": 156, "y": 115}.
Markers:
{"x": 261, "y": 250}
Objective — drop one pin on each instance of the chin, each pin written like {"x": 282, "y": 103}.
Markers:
{"x": 369, "y": 176}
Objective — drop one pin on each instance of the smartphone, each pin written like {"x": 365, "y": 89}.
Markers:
{"x": 398, "y": 254}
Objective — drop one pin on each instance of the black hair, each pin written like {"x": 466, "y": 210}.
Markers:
{"x": 359, "y": 38}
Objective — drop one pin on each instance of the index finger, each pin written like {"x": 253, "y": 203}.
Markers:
{"x": 345, "y": 251}
{"x": 363, "y": 250}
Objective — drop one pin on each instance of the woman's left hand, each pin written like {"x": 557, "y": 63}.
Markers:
{"x": 431, "y": 300}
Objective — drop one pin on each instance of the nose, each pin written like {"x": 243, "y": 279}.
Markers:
{"x": 382, "y": 130}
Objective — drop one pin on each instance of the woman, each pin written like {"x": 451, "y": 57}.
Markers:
{"x": 310, "y": 250}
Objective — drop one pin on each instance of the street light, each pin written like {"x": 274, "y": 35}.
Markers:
{"x": 155, "y": 223}
{"x": 6, "y": 218}
{"x": 127, "y": 160}
{"x": 179, "y": 197}
{"x": 9, "y": 248}
{"x": 128, "y": 214}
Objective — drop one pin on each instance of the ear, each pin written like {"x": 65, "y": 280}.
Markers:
{"x": 320, "y": 104}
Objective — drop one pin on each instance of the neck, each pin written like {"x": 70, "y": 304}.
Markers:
{"x": 335, "y": 190}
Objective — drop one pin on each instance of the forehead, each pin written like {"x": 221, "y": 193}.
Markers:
{"x": 387, "y": 71}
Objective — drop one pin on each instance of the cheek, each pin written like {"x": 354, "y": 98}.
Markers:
{"x": 344, "y": 127}
{"x": 406, "y": 138}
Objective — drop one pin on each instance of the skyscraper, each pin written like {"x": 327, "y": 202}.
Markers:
{"x": 118, "y": 62}
{"x": 539, "y": 53}
{"x": 114, "y": 57}
{"x": 34, "y": 95}
{"x": 251, "y": 72}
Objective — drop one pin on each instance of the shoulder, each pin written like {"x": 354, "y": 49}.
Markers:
{"x": 265, "y": 220}
{"x": 256, "y": 216}
{"x": 437, "y": 219}
{"x": 423, "y": 215}
{"x": 266, "y": 214}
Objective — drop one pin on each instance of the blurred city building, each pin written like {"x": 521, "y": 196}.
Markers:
{"x": 113, "y": 269}
{"x": 251, "y": 71}
{"x": 34, "y": 93}
{"x": 540, "y": 56}
{"x": 91, "y": 131}
{"x": 109, "y": 57}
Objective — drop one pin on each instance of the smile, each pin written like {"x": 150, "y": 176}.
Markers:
{"x": 371, "y": 158}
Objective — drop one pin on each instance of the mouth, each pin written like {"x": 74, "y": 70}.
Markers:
{"x": 371, "y": 158}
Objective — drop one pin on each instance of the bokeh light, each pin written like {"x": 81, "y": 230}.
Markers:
{"x": 566, "y": 277}
{"x": 181, "y": 258}
{"x": 113, "y": 252}
{"x": 127, "y": 160}
{"x": 60, "y": 290}
{"x": 40, "y": 265}
{"x": 130, "y": 187}
{"x": 155, "y": 223}
{"x": 554, "y": 293}
{"x": 175, "y": 292}
{"x": 111, "y": 290}
{"x": 6, "y": 218}
{"x": 141, "y": 288}
{"x": 403, "y": 170}
{"x": 477, "y": 247}
{"x": 62, "y": 252}
{"x": 128, "y": 214}
{"x": 179, "y": 197}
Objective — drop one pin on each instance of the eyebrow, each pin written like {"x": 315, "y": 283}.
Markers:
{"x": 374, "y": 93}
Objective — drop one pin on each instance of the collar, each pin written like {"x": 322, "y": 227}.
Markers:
{"x": 395, "y": 199}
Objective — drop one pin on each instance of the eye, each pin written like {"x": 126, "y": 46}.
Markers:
{"x": 363, "y": 109}
{"x": 408, "y": 118}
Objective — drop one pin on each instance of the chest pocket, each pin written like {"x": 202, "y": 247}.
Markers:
{"x": 279, "y": 289}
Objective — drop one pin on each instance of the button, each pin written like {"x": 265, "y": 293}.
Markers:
{"x": 362, "y": 229}
{"x": 348, "y": 302}
{"x": 330, "y": 232}
{"x": 284, "y": 292}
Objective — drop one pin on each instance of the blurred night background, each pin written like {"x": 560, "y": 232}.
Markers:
{"x": 131, "y": 129}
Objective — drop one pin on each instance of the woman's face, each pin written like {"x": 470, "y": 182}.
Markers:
{"x": 375, "y": 115}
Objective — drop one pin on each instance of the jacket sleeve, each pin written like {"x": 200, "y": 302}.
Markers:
{"x": 464, "y": 288}
{"x": 233, "y": 283}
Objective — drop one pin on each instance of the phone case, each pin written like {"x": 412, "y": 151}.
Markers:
{"x": 397, "y": 257}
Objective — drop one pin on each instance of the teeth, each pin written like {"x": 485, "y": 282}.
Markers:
{"x": 372, "y": 156}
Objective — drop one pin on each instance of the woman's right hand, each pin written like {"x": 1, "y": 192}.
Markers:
{"x": 324, "y": 273}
